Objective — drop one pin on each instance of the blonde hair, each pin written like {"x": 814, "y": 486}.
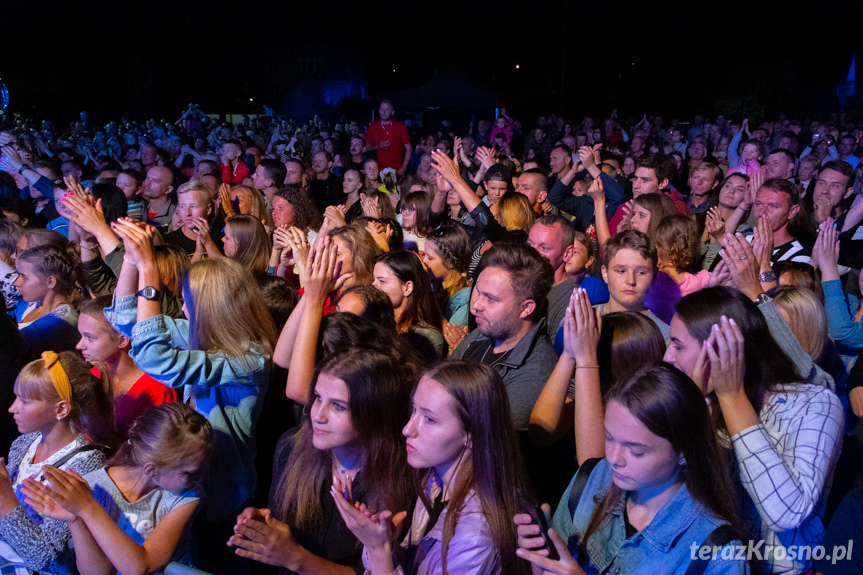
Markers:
{"x": 91, "y": 403}
{"x": 253, "y": 242}
{"x": 200, "y": 189}
{"x": 515, "y": 212}
{"x": 172, "y": 262}
{"x": 806, "y": 317}
{"x": 229, "y": 311}
{"x": 677, "y": 241}
{"x": 363, "y": 249}
{"x": 167, "y": 436}
{"x": 258, "y": 205}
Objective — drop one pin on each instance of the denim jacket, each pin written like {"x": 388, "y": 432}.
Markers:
{"x": 664, "y": 546}
{"x": 226, "y": 392}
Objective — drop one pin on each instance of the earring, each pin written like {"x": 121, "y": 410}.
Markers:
{"x": 682, "y": 461}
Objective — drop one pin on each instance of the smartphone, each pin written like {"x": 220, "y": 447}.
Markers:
{"x": 542, "y": 521}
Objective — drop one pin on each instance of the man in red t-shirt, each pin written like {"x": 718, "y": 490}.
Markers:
{"x": 390, "y": 139}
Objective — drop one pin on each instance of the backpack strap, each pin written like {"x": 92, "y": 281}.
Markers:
{"x": 581, "y": 477}
{"x": 719, "y": 537}
{"x": 71, "y": 454}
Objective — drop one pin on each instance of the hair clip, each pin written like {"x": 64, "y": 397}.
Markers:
{"x": 97, "y": 373}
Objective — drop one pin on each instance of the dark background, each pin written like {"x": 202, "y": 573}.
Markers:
{"x": 672, "y": 58}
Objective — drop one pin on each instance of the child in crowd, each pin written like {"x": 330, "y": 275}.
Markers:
{"x": 63, "y": 411}
{"x": 134, "y": 391}
{"x": 46, "y": 316}
{"x": 447, "y": 258}
{"x": 132, "y": 514}
{"x": 219, "y": 356}
{"x": 130, "y": 181}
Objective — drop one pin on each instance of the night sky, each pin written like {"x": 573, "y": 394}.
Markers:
{"x": 671, "y": 58}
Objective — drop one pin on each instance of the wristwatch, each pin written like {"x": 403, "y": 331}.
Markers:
{"x": 767, "y": 277}
{"x": 24, "y": 167}
{"x": 150, "y": 293}
{"x": 762, "y": 298}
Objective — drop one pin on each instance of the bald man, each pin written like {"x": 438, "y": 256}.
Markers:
{"x": 157, "y": 186}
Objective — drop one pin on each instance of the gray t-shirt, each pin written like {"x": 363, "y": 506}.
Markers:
{"x": 138, "y": 519}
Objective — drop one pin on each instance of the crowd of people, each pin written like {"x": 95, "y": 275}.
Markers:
{"x": 340, "y": 347}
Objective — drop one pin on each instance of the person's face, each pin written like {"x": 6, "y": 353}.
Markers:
{"x": 434, "y": 262}
{"x": 495, "y": 189}
{"x": 732, "y": 192}
{"x": 230, "y": 244}
{"x": 425, "y": 162}
{"x": 231, "y": 151}
{"x": 294, "y": 173}
{"x": 357, "y": 146}
{"x": 316, "y": 147}
{"x": 628, "y": 165}
{"x": 344, "y": 254}
{"x": 806, "y": 171}
{"x": 846, "y": 146}
{"x": 645, "y": 182}
{"x": 637, "y": 144}
{"x": 370, "y": 169}
{"x": 697, "y": 151}
{"x": 191, "y": 205}
{"x": 539, "y": 135}
{"x": 386, "y": 111}
{"x": 676, "y": 136}
{"x": 33, "y": 414}
{"x": 30, "y": 285}
{"x": 493, "y": 302}
{"x": 69, "y": 169}
{"x": 320, "y": 164}
{"x": 558, "y": 160}
{"x": 749, "y": 153}
{"x": 157, "y": 184}
{"x": 628, "y": 276}
{"x": 579, "y": 259}
{"x": 128, "y": 184}
{"x": 283, "y": 212}
{"x": 259, "y": 179}
{"x": 436, "y": 437}
{"x": 59, "y": 204}
{"x": 98, "y": 341}
{"x": 548, "y": 241}
{"x": 778, "y": 166}
{"x": 387, "y": 282}
{"x": 179, "y": 479}
{"x": 832, "y": 186}
{"x": 701, "y": 182}
{"x": 352, "y": 182}
{"x": 639, "y": 459}
{"x": 527, "y": 185}
{"x": 683, "y": 350}
{"x": 328, "y": 146}
{"x": 148, "y": 155}
{"x": 776, "y": 206}
{"x": 640, "y": 219}
{"x": 332, "y": 425}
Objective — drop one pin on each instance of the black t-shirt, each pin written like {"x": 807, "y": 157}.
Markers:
{"x": 333, "y": 540}
{"x": 179, "y": 239}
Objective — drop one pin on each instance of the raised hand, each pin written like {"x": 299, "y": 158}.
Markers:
{"x": 725, "y": 349}
{"x": 826, "y": 251}
{"x": 335, "y": 216}
{"x": 258, "y": 536}
{"x": 597, "y": 192}
{"x": 742, "y": 264}
{"x": 762, "y": 242}
{"x": 69, "y": 490}
{"x": 38, "y": 496}
{"x": 446, "y": 166}
{"x": 225, "y": 199}
{"x": 581, "y": 328}
{"x": 715, "y": 223}
{"x": 370, "y": 206}
{"x": 823, "y": 208}
{"x": 586, "y": 157}
{"x": 137, "y": 239}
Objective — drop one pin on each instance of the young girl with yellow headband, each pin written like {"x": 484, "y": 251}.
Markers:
{"x": 63, "y": 410}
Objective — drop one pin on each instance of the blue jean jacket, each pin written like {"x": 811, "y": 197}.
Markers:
{"x": 664, "y": 546}
{"x": 226, "y": 390}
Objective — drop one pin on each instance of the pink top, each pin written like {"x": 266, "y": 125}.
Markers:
{"x": 692, "y": 283}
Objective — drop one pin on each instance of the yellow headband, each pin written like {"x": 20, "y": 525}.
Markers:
{"x": 59, "y": 377}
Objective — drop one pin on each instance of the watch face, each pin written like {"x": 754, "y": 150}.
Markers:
{"x": 149, "y": 292}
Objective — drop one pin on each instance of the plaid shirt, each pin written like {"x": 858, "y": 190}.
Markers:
{"x": 786, "y": 467}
